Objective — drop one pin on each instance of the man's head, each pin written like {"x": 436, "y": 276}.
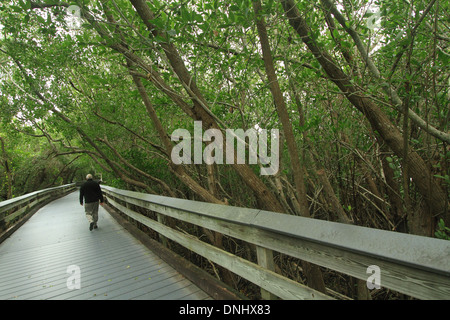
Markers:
{"x": 89, "y": 177}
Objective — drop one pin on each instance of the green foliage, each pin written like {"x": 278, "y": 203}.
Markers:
{"x": 33, "y": 164}
{"x": 446, "y": 178}
{"x": 78, "y": 72}
{"x": 442, "y": 231}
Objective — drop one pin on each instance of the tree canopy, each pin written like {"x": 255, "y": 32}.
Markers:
{"x": 358, "y": 89}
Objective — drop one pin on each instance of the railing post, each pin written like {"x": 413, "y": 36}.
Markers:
{"x": 2, "y": 220}
{"x": 130, "y": 220}
{"x": 265, "y": 260}
{"x": 162, "y": 219}
{"x": 324, "y": 243}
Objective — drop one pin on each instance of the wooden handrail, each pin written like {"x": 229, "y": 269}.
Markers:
{"x": 14, "y": 209}
{"x": 413, "y": 265}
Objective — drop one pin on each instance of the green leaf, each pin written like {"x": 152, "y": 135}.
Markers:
{"x": 198, "y": 18}
{"x": 443, "y": 57}
{"x": 16, "y": 8}
{"x": 185, "y": 15}
{"x": 231, "y": 16}
{"x": 171, "y": 33}
{"x": 335, "y": 33}
{"x": 40, "y": 19}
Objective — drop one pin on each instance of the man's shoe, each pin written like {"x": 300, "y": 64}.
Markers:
{"x": 91, "y": 226}
{"x": 95, "y": 226}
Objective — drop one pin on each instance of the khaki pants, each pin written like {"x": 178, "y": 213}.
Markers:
{"x": 91, "y": 210}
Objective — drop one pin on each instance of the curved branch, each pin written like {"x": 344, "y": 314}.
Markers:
{"x": 390, "y": 91}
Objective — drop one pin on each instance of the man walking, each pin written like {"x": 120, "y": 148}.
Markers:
{"x": 92, "y": 194}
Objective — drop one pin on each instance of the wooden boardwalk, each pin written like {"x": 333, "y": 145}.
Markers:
{"x": 40, "y": 260}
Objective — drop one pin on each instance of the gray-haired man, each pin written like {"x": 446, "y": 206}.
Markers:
{"x": 92, "y": 194}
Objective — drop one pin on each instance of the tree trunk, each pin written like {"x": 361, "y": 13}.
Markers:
{"x": 314, "y": 275}
{"x": 178, "y": 170}
{"x": 200, "y": 110}
{"x": 418, "y": 170}
{"x": 9, "y": 176}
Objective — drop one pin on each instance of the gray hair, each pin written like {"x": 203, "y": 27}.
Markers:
{"x": 89, "y": 176}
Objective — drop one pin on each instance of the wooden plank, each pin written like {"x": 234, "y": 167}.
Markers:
{"x": 418, "y": 283}
{"x": 206, "y": 282}
{"x": 265, "y": 260}
{"x": 52, "y": 284}
{"x": 34, "y": 260}
{"x": 413, "y": 265}
{"x": 433, "y": 251}
{"x": 148, "y": 281}
{"x": 164, "y": 284}
{"x": 99, "y": 284}
{"x": 268, "y": 280}
{"x": 11, "y": 203}
{"x": 161, "y": 219}
{"x": 33, "y": 274}
{"x": 25, "y": 218}
{"x": 243, "y": 216}
{"x": 21, "y": 211}
{"x": 422, "y": 252}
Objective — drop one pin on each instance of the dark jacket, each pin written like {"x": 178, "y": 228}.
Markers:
{"x": 91, "y": 192}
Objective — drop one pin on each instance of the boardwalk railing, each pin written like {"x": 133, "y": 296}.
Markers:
{"x": 413, "y": 265}
{"x": 13, "y": 210}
